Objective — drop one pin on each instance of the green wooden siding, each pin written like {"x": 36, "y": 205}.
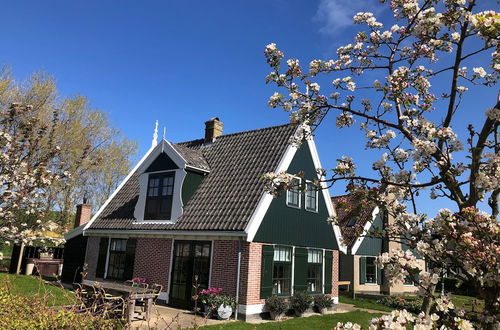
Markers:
{"x": 372, "y": 246}
{"x": 190, "y": 184}
{"x": 290, "y": 226}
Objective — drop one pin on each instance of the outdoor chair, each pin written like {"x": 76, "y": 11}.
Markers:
{"x": 157, "y": 290}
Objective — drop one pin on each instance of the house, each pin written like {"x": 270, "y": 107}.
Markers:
{"x": 358, "y": 266}
{"x": 195, "y": 214}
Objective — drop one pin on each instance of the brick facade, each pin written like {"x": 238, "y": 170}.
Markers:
{"x": 152, "y": 260}
{"x": 153, "y": 257}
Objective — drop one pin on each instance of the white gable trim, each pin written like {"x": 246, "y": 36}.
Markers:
{"x": 326, "y": 195}
{"x": 366, "y": 228}
{"x": 166, "y": 147}
{"x": 98, "y": 213}
{"x": 266, "y": 198}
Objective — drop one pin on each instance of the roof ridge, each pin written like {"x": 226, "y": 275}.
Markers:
{"x": 237, "y": 133}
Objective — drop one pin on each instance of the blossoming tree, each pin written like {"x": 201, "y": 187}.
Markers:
{"x": 25, "y": 170}
{"x": 395, "y": 112}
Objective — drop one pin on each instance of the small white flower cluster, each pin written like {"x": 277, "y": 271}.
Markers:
{"x": 345, "y": 166}
{"x": 368, "y": 19}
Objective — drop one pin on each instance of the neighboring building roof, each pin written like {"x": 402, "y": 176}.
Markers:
{"x": 227, "y": 196}
{"x": 351, "y": 209}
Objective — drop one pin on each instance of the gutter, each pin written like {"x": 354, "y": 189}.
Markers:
{"x": 238, "y": 271}
{"x": 162, "y": 233}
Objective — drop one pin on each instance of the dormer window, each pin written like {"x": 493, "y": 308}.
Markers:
{"x": 159, "y": 197}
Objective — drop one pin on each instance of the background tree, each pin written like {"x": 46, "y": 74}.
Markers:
{"x": 94, "y": 152}
{"x": 419, "y": 79}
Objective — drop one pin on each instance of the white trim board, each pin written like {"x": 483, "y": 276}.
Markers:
{"x": 367, "y": 227}
{"x": 326, "y": 194}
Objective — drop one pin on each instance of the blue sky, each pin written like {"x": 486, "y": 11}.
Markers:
{"x": 183, "y": 62}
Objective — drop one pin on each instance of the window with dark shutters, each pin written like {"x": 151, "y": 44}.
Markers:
{"x": 282, "y": 271}
{"x": 314, "y": 270}
{"x": 266, "y": 280}
{"x": 362, "y": 270}
{"x": 328, "y": 271}
{"x": 300, "y": 272}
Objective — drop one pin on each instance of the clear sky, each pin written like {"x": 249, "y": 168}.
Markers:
{"x": 183, "y": 62}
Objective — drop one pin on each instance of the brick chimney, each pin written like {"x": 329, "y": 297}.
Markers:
{"x": 83, "y": 214}
{"x": 213, "y": 129}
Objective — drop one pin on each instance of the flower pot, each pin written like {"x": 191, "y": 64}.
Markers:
{"x": 275, "y": 315}
{"x": 224, "y": 312}
{"x": 323, "y": 310}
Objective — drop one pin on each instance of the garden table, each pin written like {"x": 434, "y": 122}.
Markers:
{"x": 130, "y": 293}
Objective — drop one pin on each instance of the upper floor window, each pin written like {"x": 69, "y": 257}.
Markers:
{"x": 311, "y": 197}
{"x": 293, "y": 194}
{"x": 159, "y": 196}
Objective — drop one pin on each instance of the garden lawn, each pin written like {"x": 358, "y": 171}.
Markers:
{"x": 365, "y": 303}
{"x": 31, "y": 285}
{"x": 319, "y": 322}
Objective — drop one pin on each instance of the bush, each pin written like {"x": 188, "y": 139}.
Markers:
{"x": 322, "y": 301}
{"x": 276, "y": 305}
{"x": 22, "y": 312}
{"x": 224, "y": 300}
{"x": 413, "y": 305}
{"x": 301, "y": 301}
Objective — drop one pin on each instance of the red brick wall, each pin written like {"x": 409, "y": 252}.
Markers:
{"x": 152, "y": 260}
{"x": 91, "y": 256}
{"x": 224, "y": 266}
{"x": 335, "y": 274}
{"x": 250, "y": 279}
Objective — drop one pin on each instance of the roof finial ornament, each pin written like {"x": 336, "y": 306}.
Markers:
{"x": 164, "y": 133}
{"x": 155, "y": 136}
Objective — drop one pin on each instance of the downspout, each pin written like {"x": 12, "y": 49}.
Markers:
{"x": 238, "y": 271}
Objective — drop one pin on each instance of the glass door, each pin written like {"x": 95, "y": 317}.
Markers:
{"x": 190, "y": 271}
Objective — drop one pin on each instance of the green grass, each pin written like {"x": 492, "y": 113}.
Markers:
{"x": 312, "y": 322}
{"x": 468, "y": 303}
{"x": 31, "y": 285}
{"x": 365, "y": 303}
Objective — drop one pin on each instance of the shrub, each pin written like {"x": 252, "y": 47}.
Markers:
{"x": 207, "y": 296}
{"x": 224, "y": 300}
{"x": 23, "y": 312}
{"x": 301, "y": 301}
{"x": 322, "y": 301}
{"x": 276, "y": 305}
{"x": 413, "y": 305}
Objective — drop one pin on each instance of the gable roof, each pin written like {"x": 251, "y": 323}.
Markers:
{"x": 227, "y": 196}
{"x": 349, "y": 207}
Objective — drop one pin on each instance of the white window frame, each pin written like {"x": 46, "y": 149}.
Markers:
{"x": 299, "y": 193}
{"x": 315, "y": 210}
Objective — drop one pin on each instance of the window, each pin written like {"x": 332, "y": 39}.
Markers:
{"x": 282, "y": 271}
{"x": 371, "y": 270}
{"x": 408, "y": 280}
{"x": 311, "y": 197}
{"x": 116, "y": 261}
{"x": 351, "y": 222}
{"x": 314, "y": 270}
{"x": 159, "y": 198}
{"x": 293, "y": 194}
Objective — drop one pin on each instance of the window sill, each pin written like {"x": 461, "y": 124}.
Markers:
{"x": 293, "y": 206}
{"x": 145, "y": 222}
{"x": 370, "y": 284}
{"x": 312, "y": 211}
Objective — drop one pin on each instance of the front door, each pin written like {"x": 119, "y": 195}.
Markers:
{"x": 190, "y": 272}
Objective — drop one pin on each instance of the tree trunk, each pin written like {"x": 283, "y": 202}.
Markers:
{"x": 491, "y": 306}
{"x": 428, "y": 299}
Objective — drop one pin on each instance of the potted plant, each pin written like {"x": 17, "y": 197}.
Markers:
{"x": 225, "y": 306}
{"x": 208, "y": 301}
{"x": 300, "y": 302}
{"x": 322, "y": 303}
{"x": 277, "y": 306}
